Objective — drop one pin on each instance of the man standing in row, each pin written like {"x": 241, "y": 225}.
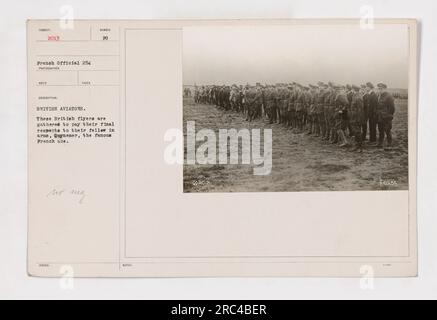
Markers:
{"x": 253, "y": 100}
{"x": 357, "y": 118}
{"x": 384, "y": 113}
{"x": 372, "y": 104}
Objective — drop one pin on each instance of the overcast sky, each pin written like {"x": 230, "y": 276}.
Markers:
{"x": 305, "y": 54}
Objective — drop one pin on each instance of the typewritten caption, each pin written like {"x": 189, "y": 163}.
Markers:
{"x": 66, "y": 129}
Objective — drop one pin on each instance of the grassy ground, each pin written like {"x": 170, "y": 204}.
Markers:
{"x": 300, "y": 162}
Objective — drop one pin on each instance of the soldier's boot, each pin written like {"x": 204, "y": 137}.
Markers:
{"x": 327, "y": 134}
{"x": 334, "y": 137}
{"x": 355, "y": 148}
{"x": 389, "y": 139}
{"x": 389, "y": 142}
{"x": 271, "y": 116}
{"x": 380, "y": 142}
{"x": 358, "y": 144}
{"x": 316, "y": 129}
{"x": 343, "y": 139}
{"x": 331, "y": 136}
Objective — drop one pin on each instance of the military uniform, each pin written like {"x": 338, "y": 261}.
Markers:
{"x": 254, "y": 102}
{"x": 365, "y": 95}
{"x": 385, "y": 111}
{"x": 320, "y": 101}
{"x": 307, "y": 105}
{"x": 282, "y": 103}
{"x": 292, "y": 108}
{"x": 341, "y": 118}
{"x": 312, "y": 113}
{"x": 299, "y": 108}
{"x": 372, "y": 105}
{"x": 357, "y": 118}
{"x": 233, "y": 98}
{"x": 240, "y": 97}
{"x": 270, "y": 103}
{"x": 329, "y": 110}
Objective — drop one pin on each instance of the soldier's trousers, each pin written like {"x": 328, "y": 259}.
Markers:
{"x": 306, "y": 119}
{"x": 227, "y": 104}
{"x": 322, "y": 123}
{"x": 328, "y": 124}
{"x": 299, "y": 119}
{"x": 291, "y": 118}
{"x": 372, "y": 128}
{"x": 249, "y": 109}
{"x": 255, "y": 111}
{"x": 312, "y": 119}
{"x": 282, "y": 111}
{"x": 233, "y": 105}
{"x": 271, "y": 112}
{"x": 316, "y": 124}
{"x": 356, "y": 128}
{"x": 336, "y": 126}
{"x": 384, "y": 129}
{"x": 364, "y": 131}
{"x": 275, "y": 113}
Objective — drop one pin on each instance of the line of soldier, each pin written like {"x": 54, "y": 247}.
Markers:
{"x": 325, "y": 110}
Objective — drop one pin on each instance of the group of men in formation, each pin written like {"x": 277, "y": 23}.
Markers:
{"x": 326, "y": 110}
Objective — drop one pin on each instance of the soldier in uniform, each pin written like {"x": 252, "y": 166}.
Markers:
{"x": 240, "y": 97}
{"x": 227, "y": 98}
{"x": 342, "y": 120}
{"x": 253, "y": 102}
{"x": 245, "y": 101}
{"x": 320, "y": 102}
{"x": 196, "y": 94}
{"x": 312, "y": 114}
{"x": 372, "y": 104}
{"x": 357, "y": 118}
{"x": 282, "y": 103}
{"x": 233, "y": 97}
{"x": 215, "y": 95}
{"x": 298, "y": 107}
{"x": 305, "y": 108}
{"x": 259, "y": 105}
{"x": 273, "y": 114}
{"x": 291, "y": 107}
{"x": 335, "y": 116}
{"x": 307, "y": 104}
{"x": 363, "y": 92}
{"x": 328, "y": 111}
{"x": 350, "y": 94}
{"x": 385, "y": 111}
{"x": 268, "y": 100}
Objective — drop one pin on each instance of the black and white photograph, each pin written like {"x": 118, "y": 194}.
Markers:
{"x": 289, "y": 108}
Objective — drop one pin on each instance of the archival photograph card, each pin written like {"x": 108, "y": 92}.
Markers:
{"x": 231, "y": 148}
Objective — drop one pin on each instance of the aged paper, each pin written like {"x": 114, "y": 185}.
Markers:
{"x": 222, "y": 148}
